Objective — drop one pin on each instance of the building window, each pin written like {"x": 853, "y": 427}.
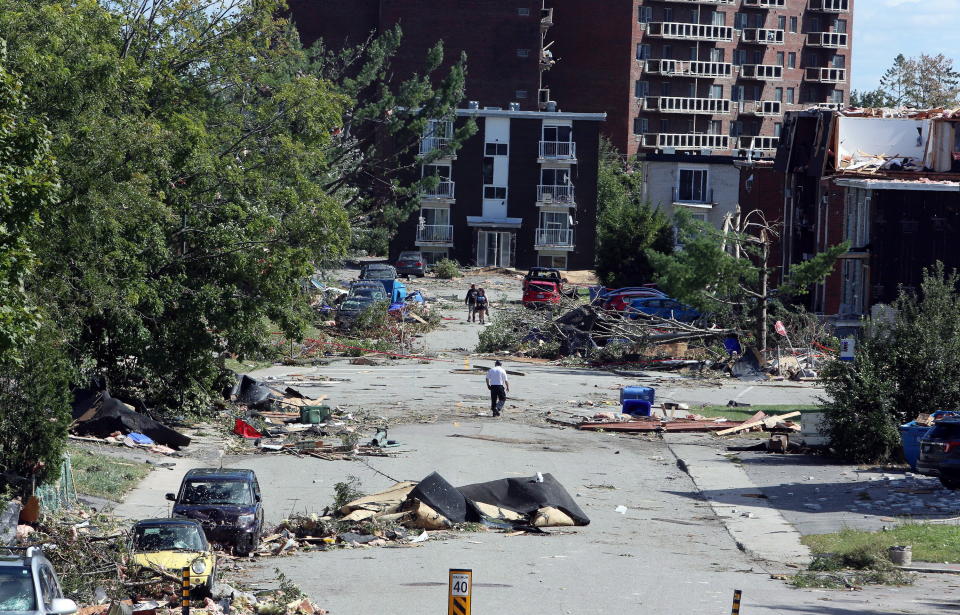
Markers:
{"x": 777, "y": 129}
{"x": 840, "y": 25}
{"x": 495, "y": 192}
{"x": 558, "y": 134}
{"x": 641, "y": 125}
{"x": 496, "y": 149}
{"x": 815, "y": 24}
{"x": 693, "y": 54}
{"x": 665, "y": 89}
{"x": 641, "y": 89}
{"x": 521, "y": 94}
{"x": 757, "y": 57}
{"x": 793, "y": 24}
{"x": 523, "y": 53}
{"x": 664, "y": 125}
{"x": 792, "y": 60}
{"x": 666, "y": 52}
{"x": 836, "y": 96}
{"x": 643, "y": 51}
{"x": 432, "y": 256}
{"x": 782, "y": 22}
{"x": 780, "y": 58}
{"x": 555, "y": 177}
{"x": 691, "y": 126}
{"x": 715, "y": 127}
{"x": 791, "y": 96}
{"x": 667, "y": 14}
{"x": 739, "y": 57}
{"x": 740, "y": 21}
{"x": 716, "y": 54}
{"x": 523, "y": 12}
{"x": 736, "y": 128}
{"x": 437, "y": 170}
{"x": 554, "y": 261}
{"x": 716, "y": 91}
{"x": 839, "y": 61}
{"x": 692, "y": 186}
{"x": 718, "y": 18}
{"x": 736, "y": 92}
{"x": 778, "y": 94}
{"x": 645, "y": 14}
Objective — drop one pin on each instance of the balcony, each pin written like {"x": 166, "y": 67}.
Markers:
{"x": 679, "y": 68}
{"x": 761, "y": 72}
{"x": 663, "y": 140}
{"x": 564, "y": 151}
{"x": 830, "y": 40}
{"x": 691, "y": 195}
{"x": 428, "y": 145}
{"x": 830, "y": 6}
{"x": 826, "y": 75}
{"x": 689, "y": 31}
{"x": 713, "y": 2}
{"x": 762, "y": 36}
{"x": 435, "y": 234}
{"x": 764, "y": 4}
{"x": 546, "y": 18}
{"x": 759, "y": 144}
{"x": 443, "y": 191}
{"x": 554, "y": 238}
{"x": 555, "y": 195}
{"x": 678, "y": 104}
{"x": 762, "y": 108}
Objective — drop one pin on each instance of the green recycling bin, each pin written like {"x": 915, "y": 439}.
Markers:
{"x": 314, "y": 414}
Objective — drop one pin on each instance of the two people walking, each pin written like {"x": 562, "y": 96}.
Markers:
{"x": 477, "y": 304}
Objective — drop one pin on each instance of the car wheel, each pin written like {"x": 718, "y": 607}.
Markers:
{"x": 950, "y": 482}
{"x": 244, "y": 545}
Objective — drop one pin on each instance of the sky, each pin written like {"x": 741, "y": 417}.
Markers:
{"x": 884, "y": 28}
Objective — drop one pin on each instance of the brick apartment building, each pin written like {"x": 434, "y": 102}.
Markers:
{"x": 521, "y": 192}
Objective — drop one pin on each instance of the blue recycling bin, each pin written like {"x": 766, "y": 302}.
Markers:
{"x": 637, "y": 407}
{"x": 910, "y": 435}
{"x": 637, "y": 392}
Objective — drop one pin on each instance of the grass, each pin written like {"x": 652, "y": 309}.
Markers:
{"x": 743, "y": 413}
{"x": 931, "y": 543}
{"x": 104, "y": 476}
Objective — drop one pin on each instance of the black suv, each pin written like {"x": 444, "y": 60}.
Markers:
{"x": 226, "y": 502}
{"x": 940, "y": 452}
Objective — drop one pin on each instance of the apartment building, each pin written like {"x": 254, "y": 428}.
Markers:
{"x": 506, "y": 43}
{"x": 521, "y": 192}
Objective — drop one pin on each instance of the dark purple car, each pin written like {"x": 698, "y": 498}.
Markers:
{"x": 227, "y": 503}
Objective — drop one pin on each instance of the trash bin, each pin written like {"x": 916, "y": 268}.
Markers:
{"x": 314, "y": 414}
{"x": 637, "y": 392}
{"x": 910, "y": 435}
{"x": 637, "y": 407}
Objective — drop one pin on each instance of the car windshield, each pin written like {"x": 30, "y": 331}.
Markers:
{"x": 380, "y": 273}
{"x": 357, "y": 303}
{"x": 542, "y": 287}
{"x": 409, "y": 256}
{"x": 168, "y": 538}
{"x": 230, "y": 492}
{"x": 372, "y": 293}
{"x": 16, "y": 589}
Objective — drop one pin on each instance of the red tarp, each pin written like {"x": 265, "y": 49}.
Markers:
{"x": 245, "y": 429}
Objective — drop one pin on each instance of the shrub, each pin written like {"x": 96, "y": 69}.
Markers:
{"x": 446, "y": 269}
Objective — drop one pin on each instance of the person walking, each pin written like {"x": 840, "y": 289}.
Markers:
{"x": 471, "y": 302}
{"x": 482, "y": 308}
{"x": 499, "y": 385}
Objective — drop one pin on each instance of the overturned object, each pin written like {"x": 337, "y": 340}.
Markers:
{"x": 101, "y": 415}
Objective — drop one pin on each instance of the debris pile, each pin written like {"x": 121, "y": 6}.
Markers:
{"x": 98, "y": 415}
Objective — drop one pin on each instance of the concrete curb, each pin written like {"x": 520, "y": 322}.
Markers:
{"x": 931, "y": 570}
{"x": 758, "y": 529}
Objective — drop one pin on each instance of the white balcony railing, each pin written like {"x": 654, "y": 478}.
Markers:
{"x": 765, "y": 4}
{"x": 759, "y": 144}
{"x": 558, "y": 150}
{"x": 559, "y": 194}
{"x": 830, "y": 6}
{"x": 763, "y": 36}
{"x": 662, "y": 140}
{"x": 764, "y": 108}
{"x": 826, "y": 75}
{"x": 761, "y": 72}
{"x": 554, "y": 237}
{"x": 428, "y": 145}
{"x": 690, "y": 31}
{"x": 831, "y": 40}
{"x": 435, "y": 233}
{"x": 681, "y": 68}
{"x": 714, "y": 2}
{"x": 679, "y": 104}
{"x": 443, "y": 190}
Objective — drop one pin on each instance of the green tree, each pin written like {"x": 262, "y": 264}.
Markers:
{"x": 923, "y": 82}
{"x": 902, "y": 368}
{"x": 626, "y": 226}
{"x": 895, "y": 82}
{"x": 870, "y": 99}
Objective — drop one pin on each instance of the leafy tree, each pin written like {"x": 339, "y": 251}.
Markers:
{"x": 626, "y": 226}
{"x": 726, "y": 273}
{"x": 28, "y": 185}
{"x": 872, "y": 98}
{"x": 903, "y": 368}
{"x": 895, "y": 82}
{"x": 923, "y": 82}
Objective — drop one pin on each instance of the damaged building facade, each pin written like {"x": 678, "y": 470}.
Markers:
{"x": 886, "y": 181}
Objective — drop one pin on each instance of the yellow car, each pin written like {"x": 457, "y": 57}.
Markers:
{"x": 175, "y": 544}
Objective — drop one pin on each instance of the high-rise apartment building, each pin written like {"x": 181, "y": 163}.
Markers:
{"x": 700, "y": 76}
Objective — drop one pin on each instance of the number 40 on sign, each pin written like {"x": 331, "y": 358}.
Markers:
{"x": 461, "y": 586}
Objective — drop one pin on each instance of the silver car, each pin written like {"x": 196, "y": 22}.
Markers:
{"x": 28, "y": 584}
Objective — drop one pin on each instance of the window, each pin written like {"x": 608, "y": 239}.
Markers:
{"x": 551, "y": 260}
{"x": 437, "y": 170}
{"x": 839, "y": 25}
{"x": 739, "y": 56}
{"x": 813, "y": 58}
{"x": 560, "y": 134}
{"x": 495, "y": 192}
{"x": 778, "y": 94}
{"x": 780, "y": 58}
{"x": 640, "y": 125}
{"x": 523, "y": 12}
{"x": 664, "y": 125}
{"x": 487, "y": 170}
{"x": 523, "y": 53}
{"x": 718, "y": 18}
{"x": 558, "y": 220}
{"x": 782, "y": 22}
{"x": 667, "y": 14}
{"x": 792, "y": 60}
{"x": 736, "y": 92}
{"x": 838, "y": 61}
{"x": 520, "y": 94}
{"x": 555, "y": 177}
{"x": 777, "y": 129}
{"x": 815, "y": 24}
{"x": 643, "y": 51}
{"x": 641, "y": 89}
{"x": 716, "y": 91}
{"x": 645, "y": 14}
{"x": 496, "y": 149}
{"x": 691, "y": 125}
{"x": 435, "y": 216}
{"x": 836, "y": 96}
{"x": 666, "y": 52}
{"x": 791, "y": 96}
{"x": 432, "y": 256}
{"x": 740, "y": 21}
{"x": 793, "y": 24}
{"x": 665, "y": 88}
{"x": 715, "y": 127}
{"x": 736, "y": 128}
{"x": 717, "y": 55}
{"x": 691, "y": 90}
{"x": 693, "y": 54}
{"x": 692, "y": 186}
{"x": 757, "y": 57}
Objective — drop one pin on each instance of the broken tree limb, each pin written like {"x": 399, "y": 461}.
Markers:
{"x": 745, "y": 426}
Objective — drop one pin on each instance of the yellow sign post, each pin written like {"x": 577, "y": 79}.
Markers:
{"x": 185, "y": 598}
{"x": 737, "y": 594}
{"x": 461, "y": 588}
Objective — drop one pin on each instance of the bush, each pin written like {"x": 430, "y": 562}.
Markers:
{"x": 446, "y": 269}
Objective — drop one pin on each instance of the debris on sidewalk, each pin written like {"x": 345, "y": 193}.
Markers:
{"x": 96, "y": 413}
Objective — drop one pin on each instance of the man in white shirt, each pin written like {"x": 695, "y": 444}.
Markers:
{"x": 499, "y": 385}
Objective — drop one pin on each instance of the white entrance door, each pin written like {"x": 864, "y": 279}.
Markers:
{"x": 493, "y": 249}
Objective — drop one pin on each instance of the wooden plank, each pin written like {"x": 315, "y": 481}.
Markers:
{"x": 745, "y": 426}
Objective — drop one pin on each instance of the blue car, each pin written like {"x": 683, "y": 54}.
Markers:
{"x": 663, "y": 308}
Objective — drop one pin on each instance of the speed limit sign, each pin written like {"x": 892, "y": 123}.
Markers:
{"x": 461, "y": 586}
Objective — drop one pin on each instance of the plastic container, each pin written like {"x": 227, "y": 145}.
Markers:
{"x": 644, "y": 393}
{"x": 314, "y": 414}
{"x": 637, "y": 407}
{"x": 910, "y": 435}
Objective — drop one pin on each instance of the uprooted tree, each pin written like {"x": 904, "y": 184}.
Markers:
{"x": 903, "y": 367}
{"x": 727, "y": 272}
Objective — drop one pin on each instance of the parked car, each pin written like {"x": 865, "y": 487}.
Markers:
{"x": 29, "y": 585}
{"x": 662, "y": 308}
{"x": 175, "y": 544}
{"x": 372, "y": 289}
{"x": 350, "y": 310}
{"x": 620, "y": 299}
{"x": 940, "y": 452}
{"x": 411, "y": 263}
{"x": 227, "y": 503}
{"x": 386, "y": 275}
{"x": 542, "y": 286}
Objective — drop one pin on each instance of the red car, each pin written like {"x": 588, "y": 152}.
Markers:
{"x": 542, "y": 286}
